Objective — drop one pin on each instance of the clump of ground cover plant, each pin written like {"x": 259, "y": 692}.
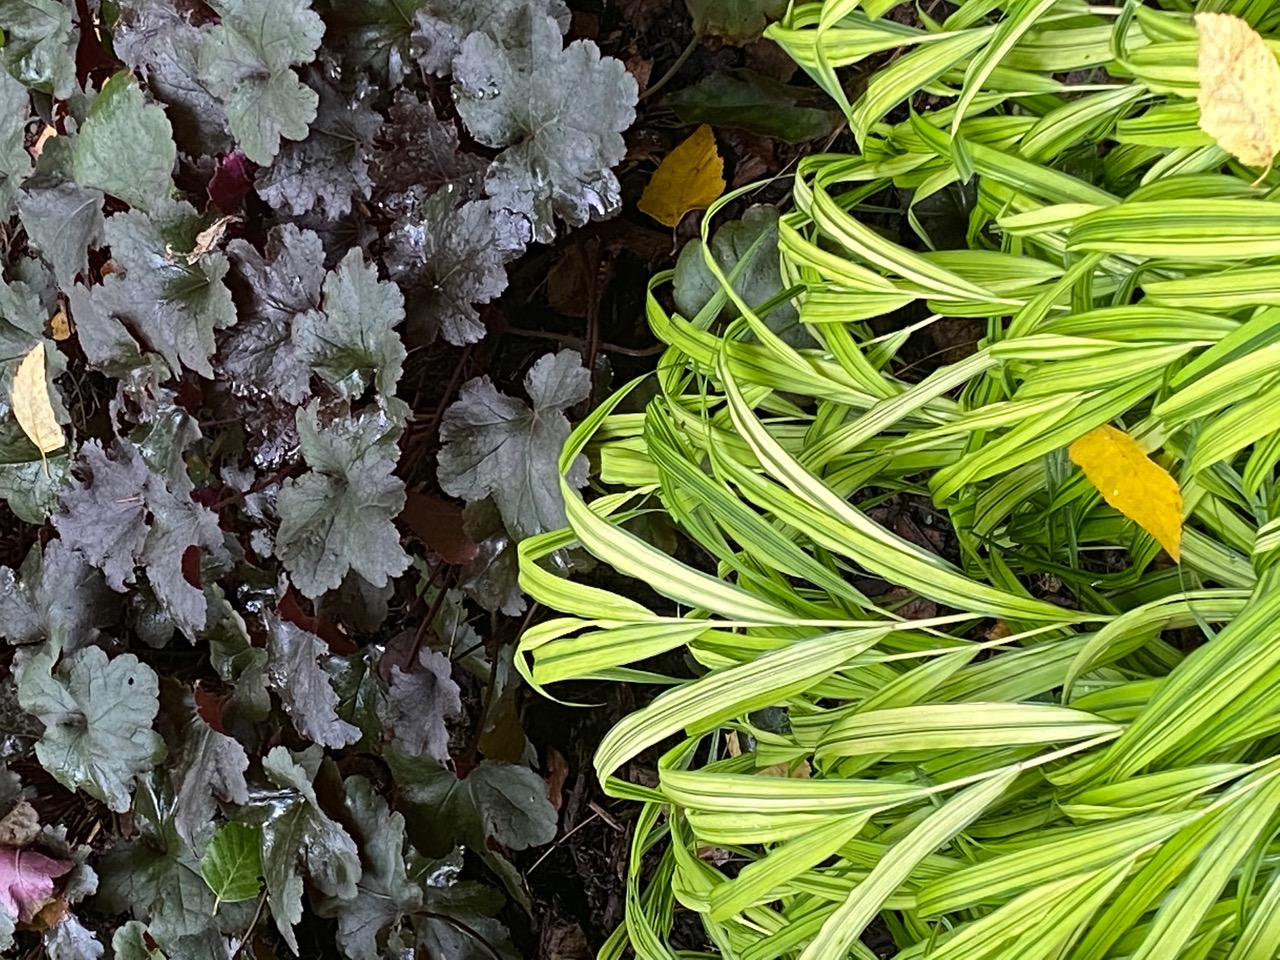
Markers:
{"x": 223, "y": 226}
{"x": 983, "y": 647}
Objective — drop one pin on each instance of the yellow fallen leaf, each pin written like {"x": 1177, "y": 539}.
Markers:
{"x": 691, "y": 177}
{"x": 1239, "y": 89}
{"x": 60, "y": 326}
{"x": 1133, "y": 483}
{"x": 31, "y": 405}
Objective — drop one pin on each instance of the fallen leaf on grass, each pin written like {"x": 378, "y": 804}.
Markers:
{"x": 690, "y": 178}
{"x": 1239, "y": 95}
{"x": 32, "y": 407}
{"x": 1132, "y": 482}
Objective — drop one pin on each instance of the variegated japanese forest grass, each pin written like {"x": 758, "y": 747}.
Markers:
{"x": 1099, "y": 781}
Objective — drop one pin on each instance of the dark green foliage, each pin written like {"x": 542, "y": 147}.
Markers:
{"x": 245, "y": 222}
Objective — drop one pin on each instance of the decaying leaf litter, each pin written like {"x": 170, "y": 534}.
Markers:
{"x": 266, "y": 301}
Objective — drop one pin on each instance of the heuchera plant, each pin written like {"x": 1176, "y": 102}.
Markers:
{"x": 225, "y": 221}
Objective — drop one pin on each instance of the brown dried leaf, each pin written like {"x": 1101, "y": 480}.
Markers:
{"x": 20, "y": 826}
{"x": 1239, "y": 89}
{"x": 557, "y": 774}
{"x": 208, "y": 238}
{"x": 795, "y": 771}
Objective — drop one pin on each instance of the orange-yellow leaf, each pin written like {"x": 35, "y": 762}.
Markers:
{"x": 60, "y": 326}
{"x": 1133, "y": 483}
{"x": 31, "y": 405}
{"x": 690, "y": 178}
{"x": 1239, "y": 89}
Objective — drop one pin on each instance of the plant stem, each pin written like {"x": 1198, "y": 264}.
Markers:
{"x": 675, "y": 68}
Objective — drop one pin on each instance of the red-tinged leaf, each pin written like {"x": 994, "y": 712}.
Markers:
{"x": 26, "y": 881}
{"x": 191, "y": 565}
{"x": 209, "y": 706}
{"x": 438, "y": 523}
{"x": 290, "y": 610}
{"x": 231, "y": 181}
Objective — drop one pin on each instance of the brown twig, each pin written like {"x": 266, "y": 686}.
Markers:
{"x": 257, "y": 914}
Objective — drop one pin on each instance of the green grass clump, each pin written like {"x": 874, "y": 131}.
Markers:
{"x": 1076, "y": 754}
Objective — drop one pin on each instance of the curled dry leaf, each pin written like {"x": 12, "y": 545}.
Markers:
{"x": 208, "y": 238}
{"x": 1239, "y": 95}
{"x": 20, "y": 826}
{"x": 32, "y": 407}
{"x": 45, "y": 135}
{"x": 691, "y": 177}
{"x": 1133, "y": 483}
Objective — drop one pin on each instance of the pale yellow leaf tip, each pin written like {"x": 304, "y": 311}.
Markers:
{"x": 1133, "y": 483}
{"x": 32, "y": 407}
{"x": 1239, "y": 94}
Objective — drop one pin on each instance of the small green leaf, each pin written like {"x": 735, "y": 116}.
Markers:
{"x": 751, "y": 242}
{"x": 734, "y": 21}
{"x": 746, "y": 100}
{"x": 232, "y": 863}
{"x": 503, "y": 802}
{"x": 15, "y": 162}
{"x": 126, "y": 146}
{"x": 299, "y": 838}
